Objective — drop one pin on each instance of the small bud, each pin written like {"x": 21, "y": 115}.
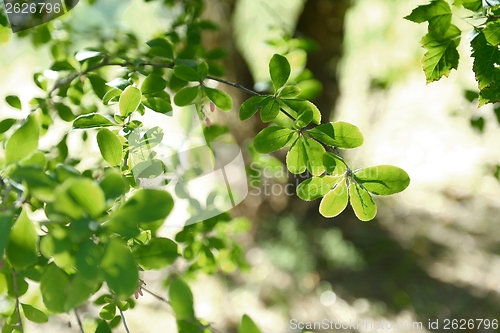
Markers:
{"x": 212, "y": 107}
{"x": 208, "y": 122}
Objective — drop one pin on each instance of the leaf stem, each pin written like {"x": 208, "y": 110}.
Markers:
{"x": 78, "y": 320}
{"x": 123, "y": 320}
{"x": 18, "y": 306}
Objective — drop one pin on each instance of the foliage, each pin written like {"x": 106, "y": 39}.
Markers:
{"x": 100, "y": 227}
{"x": 443, "y": 38}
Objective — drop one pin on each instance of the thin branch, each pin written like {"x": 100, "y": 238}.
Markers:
{"x": 78, "y": 320}
{"x": 239, "y": 86}
{"x": 155, "y": 295}
{"x": 18, "y": 306}
{"x": 124, "y": 321}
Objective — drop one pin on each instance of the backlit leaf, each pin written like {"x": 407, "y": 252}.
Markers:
{"x": 317, "y": 187}
{"x": 251, "y": 106}
{"x": 92, "y": 120}
{"x": 382, "y": 179}
{"x": 21, "y": 249}
{"x": 110, "y": 146}
{"x": 335, "y": 201}
{"x": 279, "y": 69}
{"x": 221, "y": 99}
{"x": 438, "y": 13}
{"x": 339, "y": 134}
{"x": 129, "y": 100}
{"x": 24, "y": 141}
{"x": 362, "y": 202}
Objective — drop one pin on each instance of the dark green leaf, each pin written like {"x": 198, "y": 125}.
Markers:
{"x": 273, "y": 138}
{"x": 270, "y": 109}
{"x": 113, "y": 184}
{"x": 119, "y": 268}
{"x": 129, "y": 100}
{"x": 6, "y": 124}
{"x": 158, "y": 104}
{"x": 33, "y": 314}
{"x": 438, "y": 13}
{"x": 21, "y": 249}
{"x": 299, "y": 105}
{"x": 14, "y": 101}
{"x": 289, "y": 92}
{"x": 88, "y": 260}
{"x": 78, "y": 195}
{"x": 335, "y": 201}
{"x": 221, "y": 99}
{"x": 64, "y": 112}
{"x": 92, "y": 120}
{"x": 62, "y": 66}
{"x": 181, "y": 299}
{"x": 362, "y": 203}
{"x": 251, "y": 106}
{"x": 296, "y": 158}
{"x": 382, "y": 179}
{"x": 119, "y": 83}
{"x": 279, "y": 69}
{"x": 6, "y": 221}
{"x": 156, "y": 254}
{"x": 474, "y": 5}
{"x": 52, "y": 286}
{"x": 110, "y": 146}
{"x": 186, "y": 73}
{"x": 186, "y": 96}
{"x": 98, "y": 85}
{"x": 153, "y": 84}
{"x": 160, "y": 47}
{"x": 442, "y": 55}
{"x": 486, "y": 57}
{"x": 24, "y": 141}
{"x": 339, "y": 134}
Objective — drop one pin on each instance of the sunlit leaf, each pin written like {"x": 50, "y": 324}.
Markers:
{"x": 153, "y": 84}
{"x": 181, "y": 299}
{"x": 437, "y": 13}
{"x": 110, "y": 146}
{"x": 129, "y": 100}
{"x": 156, "y": 254}
{"x": 335, "y": 201}
{"x": 221, "y": 99}
{"x": 382, "y": 179}
{"x": 274, "y": 138}
{"x": 317, "y": 187}
{"x": 24, "y": 141}
{"x": 362, "y": 202}
{"x": 279, "y": 69}
{"x": 339, "y": 134}
{"x": 247, "y": 325}
{"x": 186, "y": 96}
{"x": 92, "y": 120}
{"x": 21, "y": 249}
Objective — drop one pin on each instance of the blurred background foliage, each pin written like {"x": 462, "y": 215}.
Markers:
{"x": 432, "y": 252}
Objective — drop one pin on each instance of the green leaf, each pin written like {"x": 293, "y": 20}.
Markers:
{"x": 247, "y": 325}
{"x": 78, "y": 195}
{"x": 202, "y": 70}
{"x": 270, "y": 109}
{"x": 314, "y": 154}
{"x": 296, "y": 158}
{"x": 316, "y": 187}
{"x": 6, "y": 124}
{"x": 186, "y": 96}
{"x": 6, "y": 221}
{"x": 181, "y": 299}
{"x": 335, "y": 201}
{"x": 14, "y": 101}
{"x": 110, "y": 146}
{"x": 442, "y": 55}
{"x": 119, "y": 268}
{"x": 486, "y": 57}
{"x": 161, "y": 47}
{"x": 103, "y": 327}
{"x": 62, "y": 66}
{"x": 362, "y": 202}
{"x": 153, "y": 84}
{"x": 299, "y": 106}
{"x": 113, "y": 184}
{"x": 111, "y": 97}
{"x": 52, "y": 286}
{"x": 158, "y": 104}
{"x": 251, "y": 106}
{"x": 88, "y": 259}
{"x": 119, "y": 83}
{"x": 108, "y": 312}
{"x": 279, "y": 69}
{"x": 39, "y": 184}
{"x": 492, "y": 32}
{"x": 304, "y": 118}
{"x": 92, "y": 120}
{"x": 24, "y": 141}
{"x": 156, "y": 254}
{"x": 64, "y": 112}
{"x": 146, "y": 205}
{"x": 221, "y": 99}
{"x": 474, "y": 5}
{"x": 98, "y": 85}
{"x": 186, "y": 73}
{"x": 289, "y": 92}
{"x": 33, "y": 314}
{"x": 334, "y": 165}
{"x": 438, "y": 13}
{"x": 339, "y": 134}
{"x": 129, "y": 100}
{"x": 274, "y": 138}
{"x": 382, "y": 179}
{"x": 21, "y": 249}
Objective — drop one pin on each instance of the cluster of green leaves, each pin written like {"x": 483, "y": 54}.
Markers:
{"x": 443, "y": 38}
{"x": 313, "y": 149}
